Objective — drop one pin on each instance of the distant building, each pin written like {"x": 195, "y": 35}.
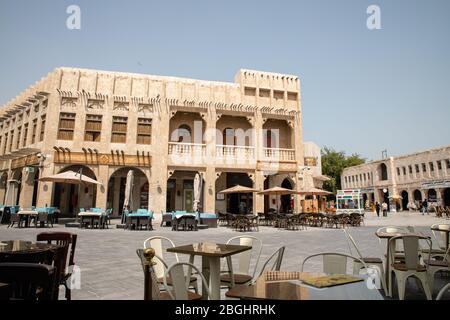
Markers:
{"x": 414, "y": 177}
{"x": 166, "y": 130}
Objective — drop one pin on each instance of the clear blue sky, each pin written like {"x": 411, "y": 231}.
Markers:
{"x": 363, "y": 91}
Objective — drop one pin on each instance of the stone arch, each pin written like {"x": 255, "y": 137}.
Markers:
{"x": 69, "y": 198}
{"x": 405, "y": 199}
{"x": 116, "y": 190}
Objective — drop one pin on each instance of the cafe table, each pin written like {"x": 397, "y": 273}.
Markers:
{"x": 14, "y": 250}
{"x": 92, "y": 215}
{"x": 446, "y": 229}
{"x": 279, "y": 285}
{"x": 211, "y": 254}
{"x": 28, "y": 214}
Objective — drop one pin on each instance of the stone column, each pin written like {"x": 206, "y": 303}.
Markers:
{"x": 45, "y": 189}
{"x": 258, "y": 199}
{"x": 116, "y": 190}
{"x": 209, "y": 190}
{"x": 26, "y": 190}
{"x": 102, "y": 190}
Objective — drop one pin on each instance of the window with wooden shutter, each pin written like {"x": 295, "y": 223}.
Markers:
{"x": 41, "y": 134}
{"x": 144, "y": 131}
{"x": 93, "y": 128}
{"x": 66, "y": 126}
{"x": 119, "y": 130}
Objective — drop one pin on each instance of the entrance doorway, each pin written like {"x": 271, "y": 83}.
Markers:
{"x": 447, "y": 197}
{"x": 286, "y": 199}
{"x": 405, "y": 200}
{"x": 188, "y": 200}
{"x": 432, "y": 195}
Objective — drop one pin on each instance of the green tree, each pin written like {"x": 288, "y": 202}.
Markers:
{"x": 333, "y": 163}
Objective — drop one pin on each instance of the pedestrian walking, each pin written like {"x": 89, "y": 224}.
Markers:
{"x": 377, "y": 208}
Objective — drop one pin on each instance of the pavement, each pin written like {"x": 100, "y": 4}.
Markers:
{"x": 110, "y": 268}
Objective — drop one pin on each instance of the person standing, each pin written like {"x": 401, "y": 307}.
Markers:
{"x": 384, "y": 206}
{"x": 425, "y": 207}
{"x": 377, "y": 208}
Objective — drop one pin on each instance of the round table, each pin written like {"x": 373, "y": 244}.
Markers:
{"x": 26, "y": 251}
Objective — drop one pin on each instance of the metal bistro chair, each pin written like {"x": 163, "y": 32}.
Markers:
{"x": 152, "y": 289}
{"x": 160, "y": 266}
{"x": 179, "y": 283}
{"x": 276, "y": 258}
{"x": 443, "y": 291}
{"x": 370, "y": 261}
{"x": 334, "y": 263}
{"x": 410, "y": 266}
{"x": 435, "y": 265}
{"x": 243, "y": 275}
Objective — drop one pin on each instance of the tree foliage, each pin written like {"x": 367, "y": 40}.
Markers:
{"x": 333, "y": 163}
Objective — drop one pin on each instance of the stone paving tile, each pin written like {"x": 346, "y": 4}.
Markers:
{"x": 111, "y": 269}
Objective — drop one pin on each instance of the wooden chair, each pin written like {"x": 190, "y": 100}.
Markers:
{"x": 15, "y": 218}
{"x": 28, "y": 281}
{"x": 68, "y": 242}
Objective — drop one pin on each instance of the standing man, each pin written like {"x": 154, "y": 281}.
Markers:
{"x": 425, "y": 207}
{"x": 377, "y": 208}
{"x": 384, "y": 206}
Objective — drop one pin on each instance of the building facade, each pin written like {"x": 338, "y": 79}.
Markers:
{"x": 165, "y": 129}
{"x": 413, "y": 177}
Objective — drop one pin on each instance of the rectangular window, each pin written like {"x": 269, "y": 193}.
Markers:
{"x": 119, "y": 130}
{"x": 417, "y": 168}
{"x": 278, "y": 95}
{"x": 292, "y": 96}
{"x": 41, "y": 134}
{"x": 144, "y": 131}
{"x": 439, "y": 163}
{"x": 398, "y": 171}
{"x": 431, "y": 166}
{"x": 448, "y": 163}
{"x": 19, "y": 131}
{"x": 93, "y": 128}
{"x": 250, "y": 91}
{"x": 11, "y": 139}
{"x": 424, "y": 167}
{"x": 264, "y": 93}
{"x": 25, "y": 134}
{"x": 410, "y": 169}
{"x": 33, "y": 132}
{"x": 404, "y": 171}
{"x": 6, "y": 143}
{"x": 66, "y": 126}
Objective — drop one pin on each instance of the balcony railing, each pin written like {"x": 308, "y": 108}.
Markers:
{"x": 191, "y": 149}
{"x": 279, "y": 154}
{"x": 235, "y": 152}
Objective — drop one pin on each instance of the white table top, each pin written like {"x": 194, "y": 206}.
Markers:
{"x": 90, "y": 213}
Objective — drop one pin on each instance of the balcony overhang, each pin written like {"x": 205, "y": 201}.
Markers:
{"x": 19, "y": 153}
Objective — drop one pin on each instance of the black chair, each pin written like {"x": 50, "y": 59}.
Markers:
{"x": 15, "y": 218}
{"x": 42, "y": 220}
{"x": 43, "y": 257}
{"x": 28, "y": 281}
{"x": 68, "y": 242}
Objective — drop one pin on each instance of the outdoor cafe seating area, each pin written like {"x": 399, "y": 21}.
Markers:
{"x": 15, "y": 216}
{"x": 234, "y": 270}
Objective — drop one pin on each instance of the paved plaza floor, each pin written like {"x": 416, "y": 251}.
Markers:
{"x": 110, "y": 268}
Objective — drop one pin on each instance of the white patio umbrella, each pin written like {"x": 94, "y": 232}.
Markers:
{"x": 238, "y": 189}
{"x": 11, "y": 192}
{"x": 128, "y": 192}
{"x": 70, "y": 177}
{"x": 197, "y": 192}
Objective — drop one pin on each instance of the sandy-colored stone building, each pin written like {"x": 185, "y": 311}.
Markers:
{"x": 413, "y": 177}
{"x": 165, "y": 129}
